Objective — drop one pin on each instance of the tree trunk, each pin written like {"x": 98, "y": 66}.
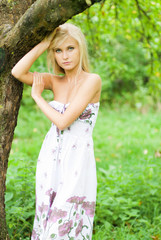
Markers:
{"x": 23, "y": 25}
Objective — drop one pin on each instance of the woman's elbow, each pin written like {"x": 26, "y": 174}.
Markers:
{"x": 14, "y": 73}
{"x": 62, "y": 125}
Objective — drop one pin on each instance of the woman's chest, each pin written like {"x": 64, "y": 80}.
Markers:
{"x": 64, "y": 92}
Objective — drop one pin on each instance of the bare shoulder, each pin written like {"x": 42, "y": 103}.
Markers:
{"x": 91, "y": 86}
{"x": 93, "y": 79}
{"x": 92, "y": 75}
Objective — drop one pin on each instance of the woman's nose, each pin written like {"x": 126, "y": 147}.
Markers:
{"x": 65, "y": 54}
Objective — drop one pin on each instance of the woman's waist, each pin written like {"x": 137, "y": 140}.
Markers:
{"x": 78, "y": 128}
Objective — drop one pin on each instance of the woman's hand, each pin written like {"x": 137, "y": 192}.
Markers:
{"x": 37, "y": 86}
{"x": 48, "y": 39}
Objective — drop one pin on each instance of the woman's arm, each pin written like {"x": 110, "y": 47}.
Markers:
{"x": 21, "y": 69}
{"x": 86, "y": 93}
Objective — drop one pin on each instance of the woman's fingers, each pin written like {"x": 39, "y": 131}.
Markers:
{"x": 38, "y": 78}
{"x": 34, "y": 78}
{"x": 38, "y": 84}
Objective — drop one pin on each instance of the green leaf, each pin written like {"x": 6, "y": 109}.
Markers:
{"x": 107, "y": 225}
{"x": 60, "y": 221}
{"x": 8, "y": 196}
{"x": 87, "y": 236}
{"x": 53, "y": 235}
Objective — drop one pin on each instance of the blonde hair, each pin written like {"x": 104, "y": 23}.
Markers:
{"x": 60, "y": 34}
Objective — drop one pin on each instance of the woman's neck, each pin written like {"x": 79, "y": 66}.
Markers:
{"x": 72, "y": 76}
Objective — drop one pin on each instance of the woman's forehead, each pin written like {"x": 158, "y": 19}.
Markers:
{"x": 67, "y": 42}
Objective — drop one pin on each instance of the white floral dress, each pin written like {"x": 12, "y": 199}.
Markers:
{"x": 66, "y": 180}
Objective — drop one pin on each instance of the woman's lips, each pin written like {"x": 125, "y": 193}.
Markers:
{"x": 66, "y": 63}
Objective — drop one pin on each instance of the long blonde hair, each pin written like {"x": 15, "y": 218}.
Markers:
{"x": 60, "y": 34}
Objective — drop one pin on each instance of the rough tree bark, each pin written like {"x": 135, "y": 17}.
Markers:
{"x": 22, "y": 25}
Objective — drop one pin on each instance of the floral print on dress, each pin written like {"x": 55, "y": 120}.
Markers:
{"x": 79, "y": 228}
{"x": 89, "y": 208}
{"x": 65, "y": 228}
{"x": 42, "y": 208}
{"x": 67, "y": 225}
{"x": 52, "y": 195}
{"x": 56, "y": 214}
{"x": 87, "y": 116}
{"x": 76, "y": 200}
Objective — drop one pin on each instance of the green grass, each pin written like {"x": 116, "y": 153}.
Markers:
{"x": 127, "y": 150}
{"x": 126, "y": 146}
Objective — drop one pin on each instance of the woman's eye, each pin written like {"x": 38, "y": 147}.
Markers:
{"x": 70, "y": 48}
{"x": 58, "y": 50}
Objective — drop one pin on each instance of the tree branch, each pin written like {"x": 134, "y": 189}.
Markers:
{"x": 144, "y": 34}
{"x": 39, "y": 20}
{"x": 11, "y": 11}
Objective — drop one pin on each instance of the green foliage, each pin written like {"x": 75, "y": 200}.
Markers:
{"x": 40, "y": 65}
{"x": 123, "y": 68}
{"x": 20, "y": 197}
{"x": 124, "y": 45}
{"x": 127, "y": 150}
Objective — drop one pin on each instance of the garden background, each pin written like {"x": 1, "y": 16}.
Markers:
{"x": 124, "y": 40}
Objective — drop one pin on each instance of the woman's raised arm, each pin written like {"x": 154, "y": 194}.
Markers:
{"x": 21, "y": 69}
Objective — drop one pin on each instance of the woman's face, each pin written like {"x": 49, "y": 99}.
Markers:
{"x": 67, "y": 55}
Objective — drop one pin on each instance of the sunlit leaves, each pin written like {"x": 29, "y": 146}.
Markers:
{"x": 137, "y": 22}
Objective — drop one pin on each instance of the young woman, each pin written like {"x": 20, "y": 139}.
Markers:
{"x": 66, "y": 172}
